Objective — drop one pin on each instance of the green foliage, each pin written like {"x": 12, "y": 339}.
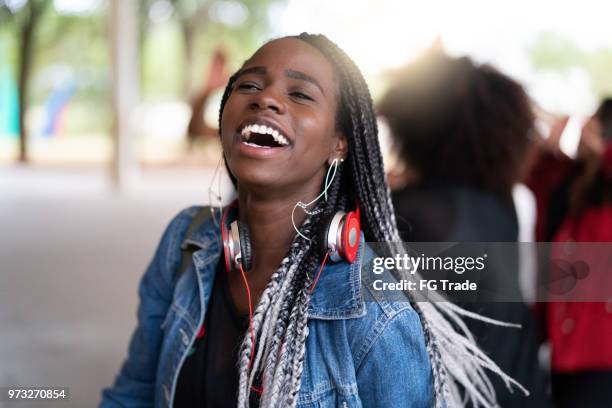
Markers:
{"x": 555, "y": 52}
{"x": 163, "y": 62}
{"x": 79, "y": 47}
{"x": 8, "y": 46}
{"x": 63, "y": 46}
{"x": 176, "y": 53}
{"x": 19, "y": 17}
{"x": 599, "y": 65}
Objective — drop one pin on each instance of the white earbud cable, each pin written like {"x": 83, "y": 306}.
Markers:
{"x": 304, "y": 206}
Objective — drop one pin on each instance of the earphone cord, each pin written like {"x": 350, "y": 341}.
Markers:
{"x": 246, "y": 284}
{"x": 319, "y": 273}
{"x": 217, "y": 195}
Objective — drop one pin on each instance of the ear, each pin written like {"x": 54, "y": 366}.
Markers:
{"x": 339, "y": 148}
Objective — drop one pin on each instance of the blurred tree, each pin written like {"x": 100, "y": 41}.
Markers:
{"x": 236, "y": 22}
{"x": 25, "y": 16}
{"x": 46, "y": 40}
{"x": 555, "y": 52}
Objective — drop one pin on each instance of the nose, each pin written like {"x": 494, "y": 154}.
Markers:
{"x": 268, "y": 99}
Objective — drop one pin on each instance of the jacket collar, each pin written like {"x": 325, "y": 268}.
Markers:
{"x": 337, "y": 294}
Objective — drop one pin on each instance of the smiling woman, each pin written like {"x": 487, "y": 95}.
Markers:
{"x": 271, "y": 312}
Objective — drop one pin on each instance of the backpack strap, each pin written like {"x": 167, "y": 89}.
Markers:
{"x": 187, "y": 250}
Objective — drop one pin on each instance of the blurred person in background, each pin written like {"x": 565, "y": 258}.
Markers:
{"x": 574, "y": 197}
{"x": 217, "y": 77}
{"x": 461, "y": 132}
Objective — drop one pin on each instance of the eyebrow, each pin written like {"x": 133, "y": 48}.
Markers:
{"x": 304, "y": 77}
{"x": 289, "y": 72}
{"x": 252, "y": 70}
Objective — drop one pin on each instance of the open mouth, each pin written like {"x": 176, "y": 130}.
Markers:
{"x": 263, "y": 136}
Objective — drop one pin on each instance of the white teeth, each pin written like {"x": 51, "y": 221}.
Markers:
{"x": 263, "y": 129}
{"x": 246, "y": 132}
{"x": 280, "y": 139}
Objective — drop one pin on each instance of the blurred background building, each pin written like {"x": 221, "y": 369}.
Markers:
{"x": 108, "y": 111}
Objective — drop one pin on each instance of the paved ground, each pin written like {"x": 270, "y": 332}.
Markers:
{"x": 71, "y": 254}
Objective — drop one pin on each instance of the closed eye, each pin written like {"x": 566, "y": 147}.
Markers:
{"x": 300, "y": 95}
{"x": 249, "y": 86}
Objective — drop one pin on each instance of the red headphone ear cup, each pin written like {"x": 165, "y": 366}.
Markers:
{"x": 340, "y": 236}
{"x": 350, "y": 235}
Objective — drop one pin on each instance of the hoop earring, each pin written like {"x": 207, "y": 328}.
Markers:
{"x": 304, "y": 206}
{"x": 216, "y": 195}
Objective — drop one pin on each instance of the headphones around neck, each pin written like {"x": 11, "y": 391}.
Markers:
{"x": 339, "y": 238}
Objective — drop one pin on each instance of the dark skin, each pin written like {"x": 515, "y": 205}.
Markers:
{"x": 290, "y": 86}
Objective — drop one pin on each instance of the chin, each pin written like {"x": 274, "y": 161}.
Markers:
{"x": 259, "y": 175}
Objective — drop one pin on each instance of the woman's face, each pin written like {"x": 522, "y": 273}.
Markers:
{"x": 278, "y": 125}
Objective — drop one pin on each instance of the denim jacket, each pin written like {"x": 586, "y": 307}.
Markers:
{"x": 361, "y": 351}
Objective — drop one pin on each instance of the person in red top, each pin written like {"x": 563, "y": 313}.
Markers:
{"x": 575, "y": 205}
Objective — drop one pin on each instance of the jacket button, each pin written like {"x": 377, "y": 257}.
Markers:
{"x": 185, "y": 337}
{"x": 567, "y": 326}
